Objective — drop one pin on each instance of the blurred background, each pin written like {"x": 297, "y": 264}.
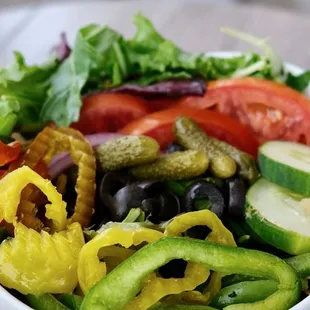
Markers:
{"x": 33, "y": 26}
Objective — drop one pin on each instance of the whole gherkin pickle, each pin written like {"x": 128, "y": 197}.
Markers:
{"x": 172, "y": 167}
{"x": 126, "y": 152}
{"x": 190, "y": 135}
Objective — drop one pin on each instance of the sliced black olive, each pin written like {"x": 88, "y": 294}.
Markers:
{"x": 162, "y": 207}
{"x": 174, "y": 147}
{"x": 202, "y": 189}
{"x": 235, "y": 197}
{"x": 129, "y": 197}
{"x": 152, "y": 188}
{"x": 112, "y": 182}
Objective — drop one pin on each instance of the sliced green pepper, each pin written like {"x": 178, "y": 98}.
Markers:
{"x": 301, "y": 264}
{"x": 44, "y": 302}
{"x": 161, "y": 306}
{"x": 73, "y": 302}
{"x": 244, "y": 292}
{"x": 122, "y": 284}
{"x": 237, "y": 278}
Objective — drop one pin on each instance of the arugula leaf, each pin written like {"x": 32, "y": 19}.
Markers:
{"x": 22, "y": 90}
{"x": 298, "y": 82}
{"x": 97, "y": 54}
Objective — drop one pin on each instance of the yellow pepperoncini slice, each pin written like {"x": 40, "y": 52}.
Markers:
{"x": 48, "y": 143}
{"x": 38, "y": 263}
{"x": 11, "y": 187}
{"x": 219, "y": 234}
{"x": 91, "y": 270}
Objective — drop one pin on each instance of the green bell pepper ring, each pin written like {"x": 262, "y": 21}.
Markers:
{"x": 237, "y": 278}
{"x": 73, "y": 302}
{"x": 44, "y": 302}
{"x": 301, "y": 264}
{"x": 244, "y": 292}
{"x": 122, "y": 284}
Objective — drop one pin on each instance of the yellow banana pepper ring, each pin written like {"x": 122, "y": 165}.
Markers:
{"x": 219, "y": 234}
{"x": 11, "y": 187}
{"x": 50, "y": 142}
{"x": 38, "y": 263}
{"x": 91, "y": 270}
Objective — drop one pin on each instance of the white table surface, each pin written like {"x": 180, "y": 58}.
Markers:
{"x": 194, "y": 25}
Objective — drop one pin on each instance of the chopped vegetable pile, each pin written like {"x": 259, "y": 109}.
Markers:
{"x": 135, "y": 175}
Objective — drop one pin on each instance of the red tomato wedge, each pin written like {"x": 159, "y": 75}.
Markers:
{"x": 9, "y": 152}
{"x": 159, "y": 104}
{"x": 272, "y": 111}
{"x": 159, "y": 126}
{"x": 103, "y": 112}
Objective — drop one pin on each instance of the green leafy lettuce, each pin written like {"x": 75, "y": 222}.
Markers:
{"x": 23, "y": 89}
{"x": 102, "y": 58}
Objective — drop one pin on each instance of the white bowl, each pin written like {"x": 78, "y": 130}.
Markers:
{"x": 9, "y": 302}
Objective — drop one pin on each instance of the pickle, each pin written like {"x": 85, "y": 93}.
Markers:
{"x": 126, "y": 152}
{"x": 175, "y": 166}
{"x": 189, "y": 134}
{"x": 221, "y": 154}
{"x": 247, "y": 167}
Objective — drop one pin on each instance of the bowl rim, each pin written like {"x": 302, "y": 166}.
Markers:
{"x": 13, "y": 303}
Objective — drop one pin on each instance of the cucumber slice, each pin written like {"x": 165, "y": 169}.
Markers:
{"x": 286, "y": 164}
{"x": 279, "y": 216}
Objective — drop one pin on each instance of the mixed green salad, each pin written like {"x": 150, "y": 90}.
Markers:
{"x": 135, "y": 175}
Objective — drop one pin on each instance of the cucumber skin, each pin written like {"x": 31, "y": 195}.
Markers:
{"x": 283, "y": 175}
{"x": 288, "y": 241}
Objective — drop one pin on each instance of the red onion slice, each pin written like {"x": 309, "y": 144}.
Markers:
{"x": 62, "y": 162}
{"x": 168, "y": 88}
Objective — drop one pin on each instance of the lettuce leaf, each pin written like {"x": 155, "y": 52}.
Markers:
{"x": 23, "y": 90}
{"x": 102, "y": 58}
{"x": 97, "y": 55}
{"x": 298, "y": 82}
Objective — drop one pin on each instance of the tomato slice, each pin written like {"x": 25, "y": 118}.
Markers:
{"x": 9, "y": 152}
{"x": 102, "y": 112}
{"x": 272, "y": 111}
{"x": 159, "y": 104}
{"x": 159, "y": 126}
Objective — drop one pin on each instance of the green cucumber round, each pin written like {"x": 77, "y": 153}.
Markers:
{"x": 279, "y": 216}
{"x": 286, "y": 164}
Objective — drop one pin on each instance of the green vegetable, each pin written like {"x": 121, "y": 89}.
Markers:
{"x": 23, "y": 90}
{"x": 96, "y": 54}
{"x": 286, "y": 164}
{"x": 278, "y": 216}
{"x": 301, "y": 264}
{"x": 244, "y": 292}
{"x": 190, "y": 135}
{"x": 126, "y": 152}
{"x": 269, "y": 66}
{"x": 121, "y": 285}
{"x": 134, "y": 215}
{"x": 102, "y": 58}
{"x": 162, "y": 306}
{"x": 174, "y": 166}
{"x": 298, "y": 82}
{"x": 237, "y": 278}
{"x": 180, "y": 187}
{"x": 71, "y": 301}
{"x": 45, "y": 302}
